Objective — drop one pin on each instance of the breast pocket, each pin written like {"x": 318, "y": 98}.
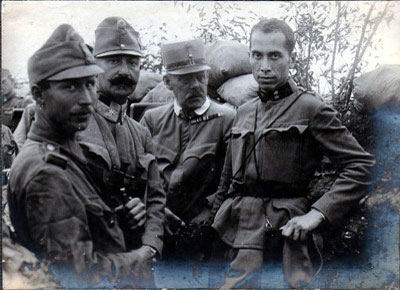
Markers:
{"x": 281, "y": 152}
{"x": 241, "y": 143}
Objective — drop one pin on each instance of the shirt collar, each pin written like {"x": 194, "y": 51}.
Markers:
{"x": 199, "y": 111}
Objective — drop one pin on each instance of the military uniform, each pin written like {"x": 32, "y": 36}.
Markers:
{"x": 190, "y": 153}
{"x": 274, "y": 150}
{"x": 54, "y": 206}
{"x": 116, "y": 143}
{"x": 57, "y": 213}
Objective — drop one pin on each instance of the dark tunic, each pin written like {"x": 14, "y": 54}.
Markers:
{"x": 118, "y": 142}
{"x": 268, "y": 183}
{"x": 190, "y": 154}
{"x": 57, "y": 213}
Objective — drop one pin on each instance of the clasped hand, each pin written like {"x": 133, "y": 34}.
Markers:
{"x": 298, "y": 227}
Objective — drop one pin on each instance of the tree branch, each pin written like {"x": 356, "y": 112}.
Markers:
{"x": 355, "y": 62}
{"x": 339, "y": 7}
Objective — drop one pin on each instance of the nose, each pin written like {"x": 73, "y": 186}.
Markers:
{"x": 194, "y": 83}
{"x": 123, "y": 68}
{"x": 265, "y": 65}
{"x": 86, "y": 97}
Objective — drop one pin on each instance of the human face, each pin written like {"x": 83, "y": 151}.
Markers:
{"x": 7, "y": 85}
{"x": 190, "y": 90}
{"x": 121, "y": 74}
{"x": 270, "y": 60}
{"x": 67, "y": 104}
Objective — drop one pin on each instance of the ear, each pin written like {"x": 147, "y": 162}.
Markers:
{"x": 167, "y": 82}
{"x": 37, "y": 94}
{"x": 292, "y": 60}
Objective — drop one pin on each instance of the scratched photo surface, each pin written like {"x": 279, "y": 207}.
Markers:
{"x": 347, "y": 53}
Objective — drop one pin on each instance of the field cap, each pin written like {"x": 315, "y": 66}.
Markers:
{"x": 63, "y": 56}
{"x": 115, "y": 36}
{"x": 184, "y": 57}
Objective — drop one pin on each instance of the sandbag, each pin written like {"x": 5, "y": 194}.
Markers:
{"x": 377, "y": 88}
{"x": 147, "y": 81}
{"x": 159, "y": 94}
{"x": 238, "y": 90}
{"x": 227, "y": 59}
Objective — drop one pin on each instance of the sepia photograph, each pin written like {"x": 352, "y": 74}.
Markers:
{"x": 200, "y": 144}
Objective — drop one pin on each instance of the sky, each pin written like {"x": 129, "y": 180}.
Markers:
{"x": 26, "y": 25}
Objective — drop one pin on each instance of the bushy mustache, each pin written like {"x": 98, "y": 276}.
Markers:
{"x": 123, "y": 80}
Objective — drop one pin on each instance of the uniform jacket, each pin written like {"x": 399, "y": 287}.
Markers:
{"x": 190, "y": 154}
{"x": 274, "y": 150}
{"x": 292, "y": 134}
{"x": 56, "y": 211}
{"x": 110, "y": 141}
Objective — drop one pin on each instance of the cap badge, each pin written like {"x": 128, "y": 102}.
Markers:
{"x": 190, "y": 55}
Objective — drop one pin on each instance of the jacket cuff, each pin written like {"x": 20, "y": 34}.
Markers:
{"x": 153, "y": 242}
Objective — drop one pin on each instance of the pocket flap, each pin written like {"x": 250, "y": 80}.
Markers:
{"x": 200, "y": 151}
{"x": 94, "y": 209}
{"x": 163, "y": 152}
{"x": 300, "y": 128}
{"x": 240, "y": 132}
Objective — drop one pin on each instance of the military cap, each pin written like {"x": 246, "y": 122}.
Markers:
{"x": 63, "y": 56}
{"x": 184, "y": 57}
{"x": 115, "y": 36}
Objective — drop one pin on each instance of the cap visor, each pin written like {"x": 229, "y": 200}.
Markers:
{"x": 189, "y": 70}
{"x": 120, "y": 51}
{"x": 77, "y": 72}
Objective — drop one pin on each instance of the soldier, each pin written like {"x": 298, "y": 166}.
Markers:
{"x": 118, "y": 148}
{"x": 10, "y": 100}
{"x": 190, "y": 134}
{"x": 54, "y": 207}
{"x": 276, "y": 144}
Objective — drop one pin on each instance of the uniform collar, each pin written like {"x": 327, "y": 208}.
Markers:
{"x": 199, "y": 111}
{"x": 282, "y": 92}
{"x": 114, "y": 113}
{"x": 42, "y": 131}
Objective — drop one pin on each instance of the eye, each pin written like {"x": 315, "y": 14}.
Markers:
{"x": 69, "y": 87}
{"x": 114, "y": 61}
{"x": 91, "y": 84}
{"x": 256, "y": 55}
{"x": 275, "y": 55}
{"x": 133, "y": 62}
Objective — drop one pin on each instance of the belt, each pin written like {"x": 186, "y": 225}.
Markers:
{"x": 269, "y": 190}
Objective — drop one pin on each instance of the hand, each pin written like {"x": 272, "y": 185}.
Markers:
{"x": 171, "y": 221}
{"x": 135, "y": 213}
{"x": 298, "y": 227}
{"x": 142, "y": 261}
{"x": 204, "y": 218}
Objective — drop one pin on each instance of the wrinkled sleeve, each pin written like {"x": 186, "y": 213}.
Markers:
{"x": 224, "y": 182}
{"x": 155, "y": 203}
{"x": 354, "y": 165}
{"x": 146, "y": 122}
{"x": 59, "y": 229}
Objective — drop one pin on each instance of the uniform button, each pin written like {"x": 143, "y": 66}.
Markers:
{"x": 50, "y": 147}
{"x": 122, "y": 45}
{"x": 111, "y": 222}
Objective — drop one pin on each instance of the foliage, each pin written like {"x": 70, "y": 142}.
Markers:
{"x": 332, "y": 38}
{"x": 325, "y": 44}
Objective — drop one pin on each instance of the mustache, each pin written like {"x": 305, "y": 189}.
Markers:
{"x": 123, "y": 80}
